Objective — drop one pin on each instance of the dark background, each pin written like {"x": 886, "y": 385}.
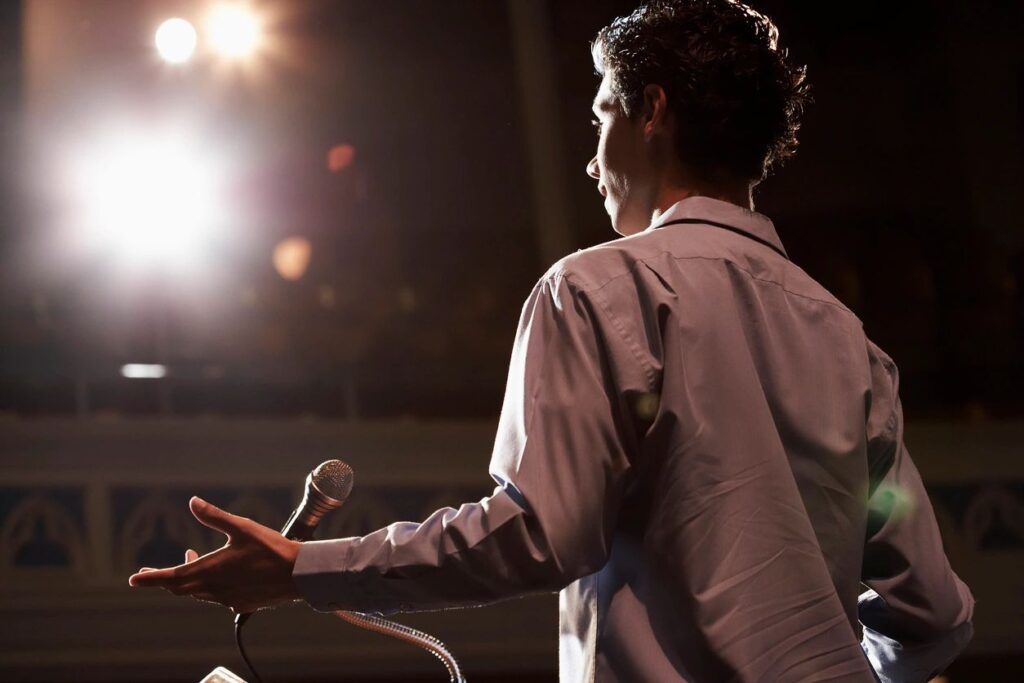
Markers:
{"x": 905, "y": 200}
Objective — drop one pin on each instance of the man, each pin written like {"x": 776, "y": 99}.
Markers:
{"x": 698, "y": 445}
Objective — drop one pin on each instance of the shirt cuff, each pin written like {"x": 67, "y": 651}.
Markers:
{"x": 320, "y": 576}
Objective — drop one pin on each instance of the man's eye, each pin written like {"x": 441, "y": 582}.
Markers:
{"x": 597, "y": 125}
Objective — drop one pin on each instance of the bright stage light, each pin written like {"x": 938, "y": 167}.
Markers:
{"x": 234, "y": 30}
{"x": 147, "y": 198}
{"x": 176, "y": 40}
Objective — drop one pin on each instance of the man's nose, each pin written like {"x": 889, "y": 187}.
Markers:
{"x": 592, "y": 169}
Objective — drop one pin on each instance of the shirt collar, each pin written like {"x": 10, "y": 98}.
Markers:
{"x": 757, "y": 225}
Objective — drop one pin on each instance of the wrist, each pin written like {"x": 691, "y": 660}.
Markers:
{"x": 289, "y": 553}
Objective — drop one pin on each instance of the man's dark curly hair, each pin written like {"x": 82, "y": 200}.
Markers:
{"x": 736, "y": 97}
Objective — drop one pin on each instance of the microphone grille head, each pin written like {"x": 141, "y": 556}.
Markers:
{"x": 334, "y": 479}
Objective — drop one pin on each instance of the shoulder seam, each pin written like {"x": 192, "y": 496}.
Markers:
{"x": 631, "y": 344}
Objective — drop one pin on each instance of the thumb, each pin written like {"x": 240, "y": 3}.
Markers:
{"x": 213, "y": 517}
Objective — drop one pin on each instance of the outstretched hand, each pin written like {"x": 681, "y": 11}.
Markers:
{"x": 252, "y": 570}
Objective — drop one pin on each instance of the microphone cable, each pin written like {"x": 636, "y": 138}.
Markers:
{"x": 239, "y": 622}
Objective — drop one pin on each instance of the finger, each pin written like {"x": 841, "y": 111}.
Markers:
{"x": 149, "y": 578}
{"x": 169, "y": 577}
{"x": 190, "y": 556}
{"x": 197, "y": 569}
{"x": 212, "y": 516}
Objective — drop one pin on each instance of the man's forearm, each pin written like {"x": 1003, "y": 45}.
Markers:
{"x": 480, "y": 553}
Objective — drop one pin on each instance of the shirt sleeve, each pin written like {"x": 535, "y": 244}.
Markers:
{"x": 917, "y": 615}
{"x": 561, "y": 459}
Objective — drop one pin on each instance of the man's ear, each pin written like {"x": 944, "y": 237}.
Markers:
{"x": 655, "y": 109}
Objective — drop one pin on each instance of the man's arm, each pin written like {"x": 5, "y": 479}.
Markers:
{"x": 917, "y": 617}
{"x": 561, "y": 459}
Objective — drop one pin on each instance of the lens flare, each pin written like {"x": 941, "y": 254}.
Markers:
{"x": 291, "y": 257}
{"x": 340, "y": 157}
{"x": 891, "y": 502}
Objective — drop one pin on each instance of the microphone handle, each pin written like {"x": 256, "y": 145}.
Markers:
{"x": 298, "y": 528}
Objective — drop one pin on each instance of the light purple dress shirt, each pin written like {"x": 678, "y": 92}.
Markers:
{"x": 703, "y": 452}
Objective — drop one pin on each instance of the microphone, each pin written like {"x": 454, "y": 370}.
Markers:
{"x": 327, "y": 487}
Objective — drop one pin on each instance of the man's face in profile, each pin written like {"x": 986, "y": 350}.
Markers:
{"x": 620, "y": 165}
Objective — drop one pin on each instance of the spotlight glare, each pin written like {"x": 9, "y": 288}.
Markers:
{"x": 148, "y": 198}
{"x": 176, "y": 40}
{"x": 234, "y": 30}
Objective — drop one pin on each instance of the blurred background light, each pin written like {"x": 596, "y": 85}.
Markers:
{"x": 146, "y": 198}
{"x": 176, "y": 40}
{"x": 291, "y": 257}
{"x": 234, "y": 30}
{"x": 328, "y": 296}
{"x": 143, "y": 371}
{"x": 340, "y": 157}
